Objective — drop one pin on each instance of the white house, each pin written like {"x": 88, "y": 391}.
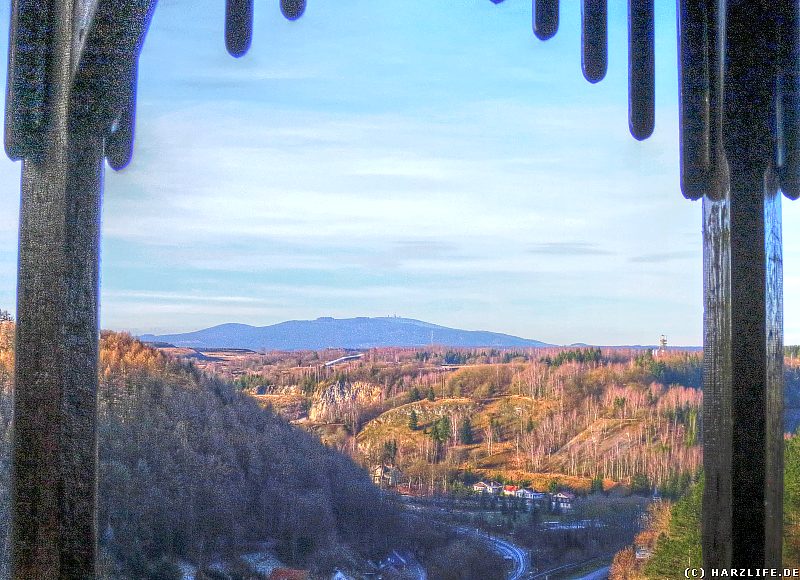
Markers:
{"x": 492, "y": 487}
{"x": 385, "y": 476}
{"x": 530, "y": 494}
{"x": 562, "y": 501}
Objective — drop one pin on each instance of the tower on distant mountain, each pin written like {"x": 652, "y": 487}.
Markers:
{"x": 662, "y": 349}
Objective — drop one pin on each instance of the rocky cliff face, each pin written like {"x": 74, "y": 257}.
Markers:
{"x": 338, "y": 401}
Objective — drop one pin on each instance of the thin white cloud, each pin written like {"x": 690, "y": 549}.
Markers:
{"x": 178, "y": 297}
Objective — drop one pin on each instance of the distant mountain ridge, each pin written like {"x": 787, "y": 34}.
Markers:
{"x": 351, "y": 333}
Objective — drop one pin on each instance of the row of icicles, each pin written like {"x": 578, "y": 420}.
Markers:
{"x": 239, "y": 34}
{"x": 702, "y": 50}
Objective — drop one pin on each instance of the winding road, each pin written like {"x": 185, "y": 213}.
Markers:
{"x": 510, "y": 552}
{"x": 601, "y": 574}
{"x": 410, "y": 564}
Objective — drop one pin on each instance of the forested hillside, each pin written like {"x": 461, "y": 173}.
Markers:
{"x": 671, "y": 540}
{"x": 191, "y": 469}
{"x": 6, "y": 367}
{"x": 546, "y": 416}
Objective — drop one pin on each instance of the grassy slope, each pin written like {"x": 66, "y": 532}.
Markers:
{"x": 604, "y": 437}
{"x": 563, "y": 413}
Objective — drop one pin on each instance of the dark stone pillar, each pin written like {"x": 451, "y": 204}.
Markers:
{"x": 743, "y": 375}
{"x": 773, "y": 491}
{"x": 54, "y": 456}
{"x": 743, "y": 399}
{"x": 54, "y": 453}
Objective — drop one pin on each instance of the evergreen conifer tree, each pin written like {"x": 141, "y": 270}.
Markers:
{"x": 465, "y": 432}
{"x": 412, "y": 420}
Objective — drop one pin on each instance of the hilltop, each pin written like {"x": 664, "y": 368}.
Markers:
{"x": 347, "y": 333}
{"x": 448, "y": 416}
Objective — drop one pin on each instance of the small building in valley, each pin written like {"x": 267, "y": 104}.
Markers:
{"x": 525, "y": 493}
{"x": 385, "y": 476}
{"x": 562, "y": 501}
{"x": 533, "y": 498}
{"x": 492, "y": 487}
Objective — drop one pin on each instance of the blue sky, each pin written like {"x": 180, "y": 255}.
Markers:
{"x": 426, "y": 159}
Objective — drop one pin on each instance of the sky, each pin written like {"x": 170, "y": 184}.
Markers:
{"x": 431, "y": 160}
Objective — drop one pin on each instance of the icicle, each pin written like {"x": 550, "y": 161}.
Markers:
{"x": 545, "y": 18}
{"x": 717, "y": 177}
{"x": 29, "y": 53}
{"x": 752, "y": 64}
{"x": 594, "y": 36}
{"x": 787, "y": 105}
{"x": 119, "y": 142}
{"x": 238, "y": 26}
{"x": 641, "y": 68}
{"x": 693, "y": 99}
{"x": 293, "y": 9}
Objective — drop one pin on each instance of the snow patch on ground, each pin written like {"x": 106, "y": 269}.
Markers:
{"x": 188, "y": 571}
{"x": 262, "y": 562}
